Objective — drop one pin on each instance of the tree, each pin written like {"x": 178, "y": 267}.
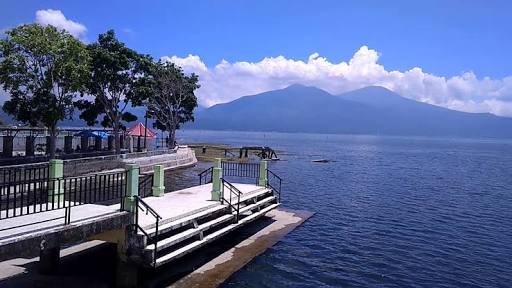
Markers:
{"x": 172, "y": 100}
{"x": 43, "y": 69}
{"x": 116, "y": 77}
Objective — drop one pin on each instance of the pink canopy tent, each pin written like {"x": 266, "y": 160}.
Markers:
{"x": 141, "y": 130}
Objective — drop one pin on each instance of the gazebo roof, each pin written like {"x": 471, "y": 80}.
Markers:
{"x": 139, "y": 129}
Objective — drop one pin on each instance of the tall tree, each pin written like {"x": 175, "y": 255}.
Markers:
{"x": 116, "y": 77}
{"x": 43, "y": 69}
{"x": 172, "y": 100}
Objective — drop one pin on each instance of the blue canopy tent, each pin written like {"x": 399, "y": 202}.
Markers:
{"x": 93, "y": 133}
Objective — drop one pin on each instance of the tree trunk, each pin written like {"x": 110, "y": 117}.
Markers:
{"x": 172, "y": 137}
{"x": 53, "y": 141}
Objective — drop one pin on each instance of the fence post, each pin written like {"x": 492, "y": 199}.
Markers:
{"x": 216, "y": 182}
{"x": 158, "y": 181}
{"x": 55, "y": 186}
{"x": 132, "y": 187}
{"x": 263, "y": 174}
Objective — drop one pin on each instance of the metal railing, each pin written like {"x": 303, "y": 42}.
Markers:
{"x": 274, "y": 182}
{"x": 243, "y": 170}
{"x": 229, "y": 200}
{"x": 206, "y": 176}
{"x": 40, "y": 195}
{"x": 145, "y": 185}
{"x": 22, "y": 173}
{"x": 140, "y": 205}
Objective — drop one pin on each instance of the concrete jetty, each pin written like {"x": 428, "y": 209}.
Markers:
{"x": 149, "y": 232}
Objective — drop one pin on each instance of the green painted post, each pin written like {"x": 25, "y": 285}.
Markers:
{"x": 158, "y": 181}
{"x": 56, "y": 187}
{"x": 263, "y": 174}
{"x": 217, "y": 163}
{"x": 132, "y": 187}
{"x": 216, "y": 182}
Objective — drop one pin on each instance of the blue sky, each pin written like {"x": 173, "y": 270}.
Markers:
{"x": 443, "y": 38}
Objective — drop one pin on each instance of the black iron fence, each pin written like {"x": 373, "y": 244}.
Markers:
{"x": 241, "y": 172}
{"x": 245, "y": 170}
{"x": 234, "y": 171}
{"x": 23, "y": 197}
{"x": 145, "y": 185}
{"x": 24, "y": 173}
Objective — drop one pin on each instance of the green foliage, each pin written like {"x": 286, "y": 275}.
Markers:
{"x": 42, "y": 68}
{"x": 116, "y": 78}
{"x": 172, "y": 100}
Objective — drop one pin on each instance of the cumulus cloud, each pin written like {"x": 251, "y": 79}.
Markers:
{"x": 228, "y": 81}
{"x": 56, "y": 18}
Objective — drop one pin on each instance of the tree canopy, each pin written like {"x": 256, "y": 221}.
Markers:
{"x": 172, "y": 99}
{"x": 42, "y": 68}
{"x": 116, "y": 80}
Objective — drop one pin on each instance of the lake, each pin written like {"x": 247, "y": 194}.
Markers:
{"x": 390, "y": 211}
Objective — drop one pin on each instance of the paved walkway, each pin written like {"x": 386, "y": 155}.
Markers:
{"x": 34, "y": 223}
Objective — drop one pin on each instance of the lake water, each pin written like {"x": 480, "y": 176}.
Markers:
{"x": 390, "y": 211}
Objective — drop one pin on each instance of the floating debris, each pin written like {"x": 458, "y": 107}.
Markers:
{"x": 321, "y": 161}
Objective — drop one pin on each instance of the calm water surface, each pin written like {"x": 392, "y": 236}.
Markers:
{"x": 391, "y": 211}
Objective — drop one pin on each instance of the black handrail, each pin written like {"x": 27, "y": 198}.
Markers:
{"x": 277, "y": 187}
{"x": 145, "y": 185}
{"x": 232, "y": 189}
{"x": 206, "y": 176}
{"x": 140, "y": 204}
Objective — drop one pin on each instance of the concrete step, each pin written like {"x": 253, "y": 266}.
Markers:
{"x": 166, "y": 227}
{"x": 258, "y": 214}
{"x": 251, "y": 195}
{"x": 250, "y": 207}
{"x": 211, "y": 237}
{"x": 167, "y": 242}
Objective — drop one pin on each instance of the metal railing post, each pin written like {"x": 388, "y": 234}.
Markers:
{"x": 216, "y": 180}
{"x": 262, "y": 180}
{"x": 56, "y": 172}
{"x": 132, "y": 187}
{"x": 158, "y": 181}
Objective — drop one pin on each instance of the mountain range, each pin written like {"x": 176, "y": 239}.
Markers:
{"x": 372, "y": 110}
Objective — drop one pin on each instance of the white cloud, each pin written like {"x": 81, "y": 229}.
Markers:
{"x": 228, "y": 81}
{"x": 56, "y": 18}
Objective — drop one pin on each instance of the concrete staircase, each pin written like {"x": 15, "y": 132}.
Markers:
{"x": 178, "y": 237}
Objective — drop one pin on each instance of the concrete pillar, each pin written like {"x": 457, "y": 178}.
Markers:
{"x": 29, "y": 145}
{"x": 110, "y": 142}
{"x": 49, "y": 259}
{"x": 158, "y": 181}
{"x": 84, "y": 142}
{"x": 8, "y": 142}
{"x": 129, "y": 144}
{"x": 68, "y": 144}
{"x": 262, "y": 181}
{"x": 97, "y": 143}
{"x": 126, "y": 274}
{"x": 216, "y": 180}
{"x": 132, "y": 188}
{"x": 56, "y": 187}
{"x": 48, "y": 141}
{"x": 139, "y": 146}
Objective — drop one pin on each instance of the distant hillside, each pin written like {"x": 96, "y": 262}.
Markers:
{"x": 371, "y": 110}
